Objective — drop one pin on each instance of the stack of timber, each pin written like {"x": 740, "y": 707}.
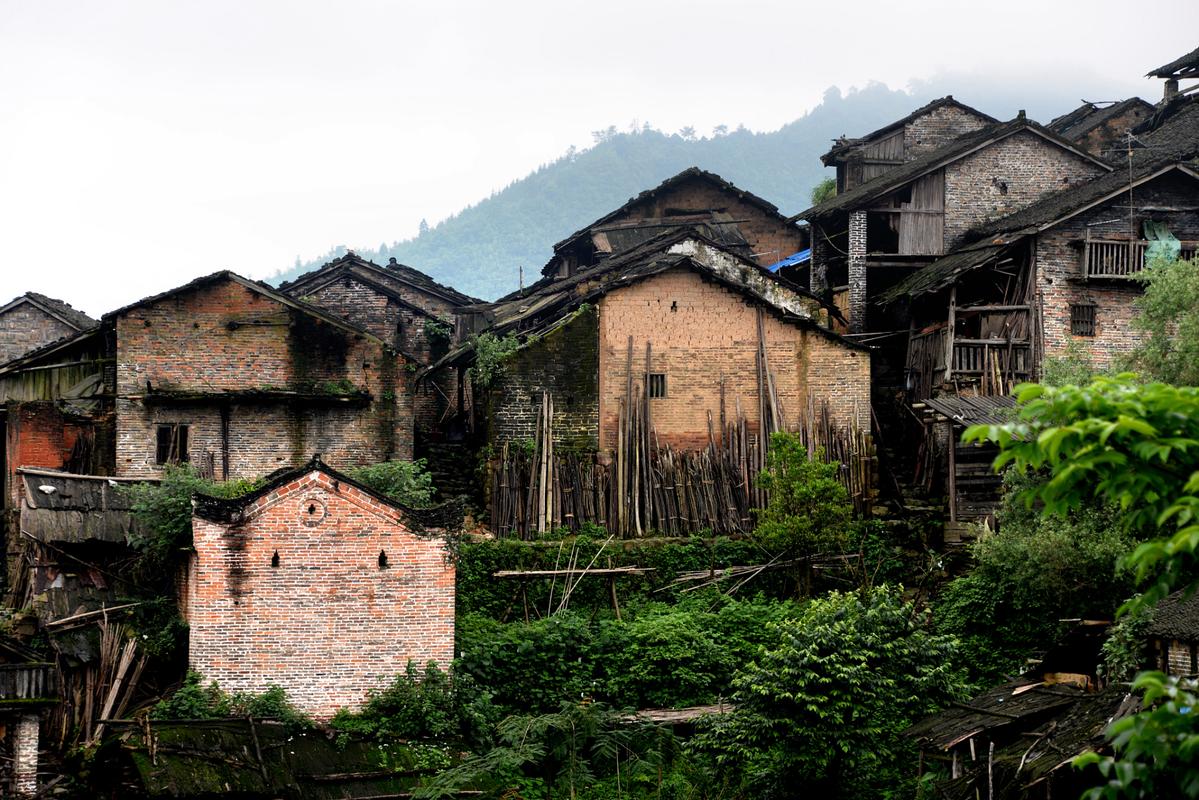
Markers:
{"x": 649, "y": 488}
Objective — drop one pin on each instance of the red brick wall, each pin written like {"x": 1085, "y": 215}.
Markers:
{"x": 769, "y": 237}
{"x": 328, "y": 624}
{"x": 223, "y": 337}
{"x": 1059, "y": 270}
{"x": 38, "y": 436}
{"x": 712, "y": 334}
{"x": 1006, "y": 177}
{"x": 26, "y": 327}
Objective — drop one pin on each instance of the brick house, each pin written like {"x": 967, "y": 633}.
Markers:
{"x": 1056, "y": 277}
{"x": 697, "y": 305}
{"x": 872, "y": 235}
{"x": 318, "y": 585}
{"x": 224, "y": 372}
{"x": 400, "y": 305}
{"x": 739, "y": 220}
{"x": 861, "y": 159}
{"x": 33, "y": 320}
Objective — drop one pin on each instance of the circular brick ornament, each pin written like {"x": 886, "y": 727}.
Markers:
{"x": 313, "y": 511}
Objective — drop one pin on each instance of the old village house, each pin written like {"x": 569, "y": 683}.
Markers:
{"x": 318, "y": 585}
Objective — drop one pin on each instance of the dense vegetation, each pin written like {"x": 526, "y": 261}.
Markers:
{"x": 480, "y": 249}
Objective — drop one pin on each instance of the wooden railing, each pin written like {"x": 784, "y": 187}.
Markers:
{"x": 26, "y": 682}
{"x": 977, "y": 356}
{"x": 1116, "y": 258}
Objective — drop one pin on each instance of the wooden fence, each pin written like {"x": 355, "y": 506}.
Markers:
{"x": 649, "y": 489}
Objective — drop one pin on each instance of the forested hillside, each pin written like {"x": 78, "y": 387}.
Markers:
{"x": 480, "y": 249}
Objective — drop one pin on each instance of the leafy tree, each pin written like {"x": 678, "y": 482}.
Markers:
{"x": 688, "y": 133}
{"x": 1034, "y": 571}
{"x": 825, "y": 190}
{"x": 1137, "y": 447}
{"x": 424, "y": 227}
{"x": 406, "y": 482}
{"x": 1074, "y": 366}
{"x": 809, "y": 510}
{"x": 822, "y": 713}
{"x": 1169, "y": 315}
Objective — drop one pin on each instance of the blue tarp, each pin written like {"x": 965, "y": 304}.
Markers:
{"x": 792, "y": 260}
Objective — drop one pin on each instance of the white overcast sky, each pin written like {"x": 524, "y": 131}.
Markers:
{"x": 145, "y": 143}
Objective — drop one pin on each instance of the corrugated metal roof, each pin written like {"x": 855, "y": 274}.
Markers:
{"x": 802, "y": 257}
{"x": 974, "y": 410}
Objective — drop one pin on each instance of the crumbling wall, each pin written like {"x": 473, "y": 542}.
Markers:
{"x": 352, "y": 596}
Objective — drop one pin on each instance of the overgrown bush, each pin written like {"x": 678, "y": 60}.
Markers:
{"x": 821, "y": 713}
{"x": 657, "y": 656}
{"x": 490, "y": 353}
{"x": 194, "y": 700}
{"x": 1034, "y": 571}
{"x": 406, "y": 482}
{"x": 422, "y": 706}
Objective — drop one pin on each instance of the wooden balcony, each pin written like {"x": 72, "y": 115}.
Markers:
{"x": 1116, "y": 258}
{"x": 980, "y": 356}
{"x": 26, "y": 684}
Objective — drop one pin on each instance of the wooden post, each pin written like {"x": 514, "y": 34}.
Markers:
{"x": 953, "y": 474}
{"x": 953, "y": 308}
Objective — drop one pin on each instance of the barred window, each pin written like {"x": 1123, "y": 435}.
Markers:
{"x": 657, "y": 384}
{"x": 172, "y": 443}
{"x": 1082, "y": 319}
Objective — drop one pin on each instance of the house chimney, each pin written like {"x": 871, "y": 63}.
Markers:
{"x": 1171, "y": 90}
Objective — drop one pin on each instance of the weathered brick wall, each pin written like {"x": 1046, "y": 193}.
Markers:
{"x": 26, "y": 327}
{"x": 328, "y": 624}
{"x": 406, "y": 328}
{"x": 1006, "y": 177}
{"x": 937, "y": 128}
{"x": 857, "y": 272}
{"x": 38, "y": 436}
{"x": 702, "y": 334}
{"x": 770, "y": 237}
{"x": 24, "y": 737}
{"x": 223, "y": 337}
{"x": 1059, "y": 269}
{"x": 564, "y": 363}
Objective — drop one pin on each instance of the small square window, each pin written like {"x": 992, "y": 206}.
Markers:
{"x": 1082, "y": 319}
{"x": 172, "y": 444}
{"x": 657, "y": 384}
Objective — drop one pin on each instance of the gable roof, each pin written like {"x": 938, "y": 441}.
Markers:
{"x": 394, "y": 270}
{"x": 687, "y": 174}
{"x": 227, "y": 510}
{"x": 956, "y": 150}
{"x": 265, "y": 291}
{"x": 845, "y": 143}
{"x": 1182, "y": 67}
{"x": 49, "y": 349}
{"x": 56, "y": 308}
{"x": 548, "y": 303}
{"x": 1176, "y": 617}
{"x": 1074, "y": 125}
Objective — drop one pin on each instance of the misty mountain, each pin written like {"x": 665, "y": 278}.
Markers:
{"x": 480, "y": 249}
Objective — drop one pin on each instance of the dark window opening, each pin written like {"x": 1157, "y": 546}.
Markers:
{"x": 882, "y": 232}
{"x": 657, "y": 384}
{"x": 382, "y": 560}
{"x": 172, "y": 444}
{"x": 275, "y": 559}
{"x": 1082, "y": 319}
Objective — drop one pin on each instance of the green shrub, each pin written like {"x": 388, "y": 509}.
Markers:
{"x": 194, "y": 700}
{"x": 406, "y": 482}
{"x": 431, "y": 706}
